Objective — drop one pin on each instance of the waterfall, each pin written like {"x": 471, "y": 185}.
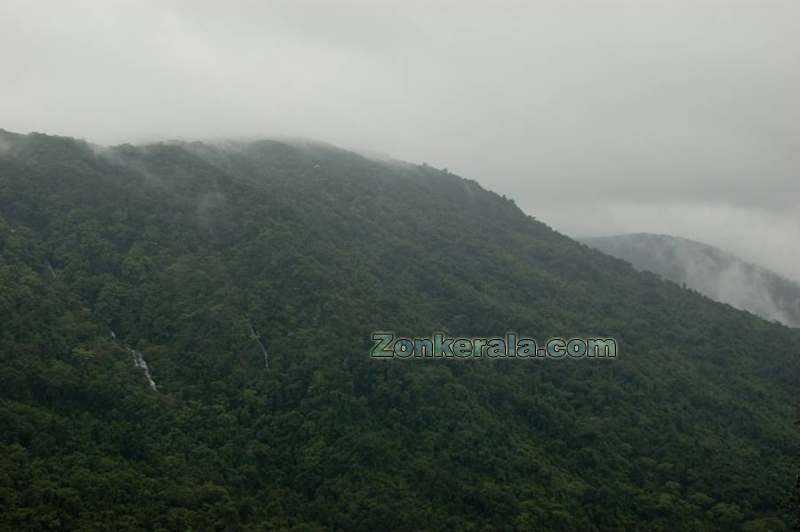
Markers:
{"x": 50, "y": 268}
{"x": 257, "y": 338}
{"x": 139, "y": 362}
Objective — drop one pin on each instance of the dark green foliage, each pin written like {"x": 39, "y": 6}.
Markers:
{"x": 177, "y": 247}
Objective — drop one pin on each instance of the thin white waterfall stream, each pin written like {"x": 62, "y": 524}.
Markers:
{"x": 139, "y": 362}
{"x": 257, "y": 338}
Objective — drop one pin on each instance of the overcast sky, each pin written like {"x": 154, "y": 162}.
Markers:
{"x": 597, "y": 117}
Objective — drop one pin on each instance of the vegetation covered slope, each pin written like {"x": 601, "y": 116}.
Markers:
{"x": 709, "y": 270}
{"x": 180, "y": 248}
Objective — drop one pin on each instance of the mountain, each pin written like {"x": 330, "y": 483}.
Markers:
{"x": 709, "y": 270}
{"x": 185, "y": 345}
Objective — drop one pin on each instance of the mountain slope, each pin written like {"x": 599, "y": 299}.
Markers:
{"x": 181, "y": 248}
{"x": 711, "y": 271}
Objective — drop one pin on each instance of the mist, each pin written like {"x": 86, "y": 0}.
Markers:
{"x": 712, "y": 272}
{"x": 597, "y": 117}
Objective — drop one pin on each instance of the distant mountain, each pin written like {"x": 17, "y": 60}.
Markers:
{"x": 184, "y": 345}
{"x": 715, "y": 273}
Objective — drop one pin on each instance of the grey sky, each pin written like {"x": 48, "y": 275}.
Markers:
{"x": 598, "y": 117}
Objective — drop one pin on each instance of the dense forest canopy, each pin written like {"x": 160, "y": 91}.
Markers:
{"x": 210, "y": 260}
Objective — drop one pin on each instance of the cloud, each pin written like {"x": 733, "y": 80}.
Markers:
{"x": 767, "y": 238}
{"x": 653, "y": 106}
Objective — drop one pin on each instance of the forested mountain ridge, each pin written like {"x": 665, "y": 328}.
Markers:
{"x": 179, "y": 248}
{"x": 711, "y": 271}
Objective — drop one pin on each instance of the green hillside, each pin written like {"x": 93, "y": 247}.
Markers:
{"x": 181, "y": 248}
